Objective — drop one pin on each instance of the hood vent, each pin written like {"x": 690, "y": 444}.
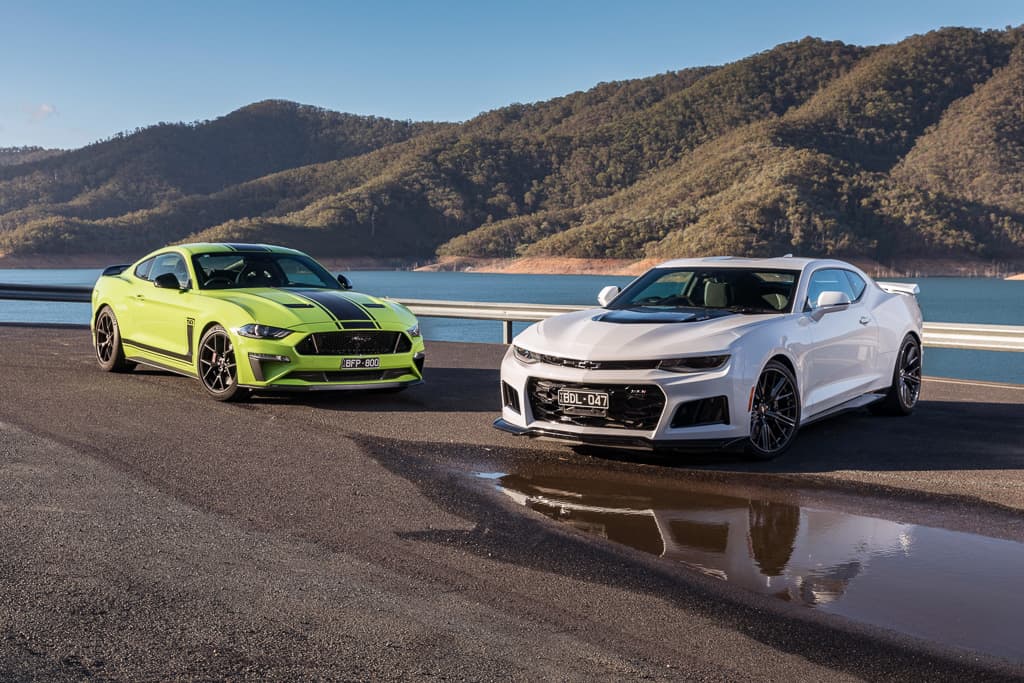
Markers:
{"x": 642, "y": 316}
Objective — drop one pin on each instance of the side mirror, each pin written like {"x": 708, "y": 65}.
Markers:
{"x": 343, "y": 281}
{"x": 829, "y": 302}
{"x": 168, "y": 281}
{"x": 605, "y": 296}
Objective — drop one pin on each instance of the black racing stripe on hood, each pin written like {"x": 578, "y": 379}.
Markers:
{"x": 338, "y": 305}
{"x": 311, "y": 304}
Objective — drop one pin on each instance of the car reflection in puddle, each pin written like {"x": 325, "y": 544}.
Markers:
{"x": 950, "y": 587}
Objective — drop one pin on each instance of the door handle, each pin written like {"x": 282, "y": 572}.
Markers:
{"x": 864, "y": 320}
{"x": 141, "y": 297}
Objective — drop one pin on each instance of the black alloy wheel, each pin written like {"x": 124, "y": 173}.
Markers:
{"x": 774, "y": 412}
{"x": 107, "y": 340}
{"x": 218, "y": 370}
{"x": 905, "y": 390}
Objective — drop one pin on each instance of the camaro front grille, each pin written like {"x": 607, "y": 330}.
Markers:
{"x": 599, "y": 364}
{"x": 630, "y": 406}
{"x": 354, "y": 343}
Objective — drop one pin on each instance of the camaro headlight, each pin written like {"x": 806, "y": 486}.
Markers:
{"x": 414, "y": 331}
{"x": 525, "y": 356}
{"x": 255, "y": 331}
{"x": 694, "y": 363}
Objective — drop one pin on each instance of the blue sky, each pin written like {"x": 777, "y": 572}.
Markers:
{"x": 75, "y": 72}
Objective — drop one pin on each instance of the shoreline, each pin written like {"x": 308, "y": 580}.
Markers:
{"x": 561, "y": 265}
{"x": 554, "y": 265}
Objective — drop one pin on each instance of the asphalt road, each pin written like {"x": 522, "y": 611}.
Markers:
{"x": 151, "y": 533}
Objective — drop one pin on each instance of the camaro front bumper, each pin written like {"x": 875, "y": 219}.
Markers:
{"x": 649, "y": 409}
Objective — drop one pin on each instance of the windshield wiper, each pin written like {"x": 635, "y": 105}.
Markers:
{"x": 749, "y": 309}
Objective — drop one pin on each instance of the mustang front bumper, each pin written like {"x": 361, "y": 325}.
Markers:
{"x": 291, "y": 364}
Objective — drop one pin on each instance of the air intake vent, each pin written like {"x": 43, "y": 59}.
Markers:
{"x": 705, "y": 411}
{"x": 510, "y": 398}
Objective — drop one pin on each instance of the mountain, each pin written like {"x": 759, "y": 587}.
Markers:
{"x": 830, "y": 176}
{"x": 910, "y": 150}
{"x": 84, "y": 200}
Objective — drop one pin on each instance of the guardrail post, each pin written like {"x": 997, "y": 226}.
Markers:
{"x": 506, "y": 336}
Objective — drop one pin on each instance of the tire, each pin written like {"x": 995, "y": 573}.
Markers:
{"x": 107, "y": 342}
{"x": 216, "y": 365}
{"x": 905, "y": 390}
{"x": 774, "y": 412}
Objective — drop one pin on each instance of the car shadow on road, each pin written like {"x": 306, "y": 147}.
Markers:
{"x": 940, "y": 435}
{"x": 445, "y": 390}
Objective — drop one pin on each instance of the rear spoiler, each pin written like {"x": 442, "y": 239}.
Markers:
{"x": 908, "y": 288}
{"x": 114, "y": 270}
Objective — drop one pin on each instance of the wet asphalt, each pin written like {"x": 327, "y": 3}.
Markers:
{"x": 150, "y": 533}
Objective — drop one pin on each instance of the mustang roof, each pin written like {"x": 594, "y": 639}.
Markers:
{"x": 777, "y": 263}
{"x": 230, "y": 247}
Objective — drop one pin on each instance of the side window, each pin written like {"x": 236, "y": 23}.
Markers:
{"x": 142, "y": 270}
{"x": 169, "y": 263}
{"x": 827, "y": 280}
{"x": 857, "y": 284}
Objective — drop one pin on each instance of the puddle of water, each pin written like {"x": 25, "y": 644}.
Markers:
{"x": 949, "y": 587}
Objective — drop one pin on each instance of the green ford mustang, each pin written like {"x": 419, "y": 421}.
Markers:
{"x": 241, "y": 317}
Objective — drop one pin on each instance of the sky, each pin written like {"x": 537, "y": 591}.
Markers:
{"x": 75, "y": 72}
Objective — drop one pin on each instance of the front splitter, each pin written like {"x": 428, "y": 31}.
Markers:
{"x": 637, "y": 443}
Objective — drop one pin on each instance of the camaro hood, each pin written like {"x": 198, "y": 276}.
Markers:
{"x": 298, "y": 307}
{"x": 600, "y": 334}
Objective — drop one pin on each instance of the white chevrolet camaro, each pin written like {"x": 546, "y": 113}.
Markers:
{"x": 717, "y": 352}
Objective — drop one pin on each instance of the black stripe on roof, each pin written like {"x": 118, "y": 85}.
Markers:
{"x": 247, "y": 247}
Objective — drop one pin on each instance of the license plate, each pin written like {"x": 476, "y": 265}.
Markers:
{"x": 350, "y": 363}
{"x": 581, "y": 398}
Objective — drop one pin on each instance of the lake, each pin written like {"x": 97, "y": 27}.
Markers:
{"x": 968, "y": 300}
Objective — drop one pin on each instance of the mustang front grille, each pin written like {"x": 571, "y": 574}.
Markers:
{"x": 354, "y": 343}
{"x": 630, "y": 406}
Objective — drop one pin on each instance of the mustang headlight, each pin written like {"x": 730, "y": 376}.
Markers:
{"x": 414, "y": 331}
{"x": 254, "y": 331}
{"x": 525, "y": 356}
{"x": 694, "y": 363}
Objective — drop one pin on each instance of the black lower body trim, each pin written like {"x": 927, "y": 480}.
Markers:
{"x": 160, "y": 366}
{"x": 614, "y": 441}
{"x": 284, "y": 388}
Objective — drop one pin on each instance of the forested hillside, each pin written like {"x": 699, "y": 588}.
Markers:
{"x": 19, "y": 155}
{"x": 912, "y": 150}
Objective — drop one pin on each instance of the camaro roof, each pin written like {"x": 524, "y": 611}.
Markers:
{"x": 777, "y": 263}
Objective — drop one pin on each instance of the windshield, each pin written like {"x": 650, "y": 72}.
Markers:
{"x": 741, "y": 290}
{"x": 260, "y": 269}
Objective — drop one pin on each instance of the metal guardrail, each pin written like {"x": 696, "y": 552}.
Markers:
{"x": 485, "y": 310}
{"x": 939, "y": 335}
{"x": 68, "y": 293}
{"x": 970, "y": 336}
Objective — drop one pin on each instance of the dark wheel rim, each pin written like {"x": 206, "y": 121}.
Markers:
{"x": 910, "y": 375}
{"x": 105, "y": 338}
{"x": 217, "y": 363}
{"x": 774, "y": 413}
